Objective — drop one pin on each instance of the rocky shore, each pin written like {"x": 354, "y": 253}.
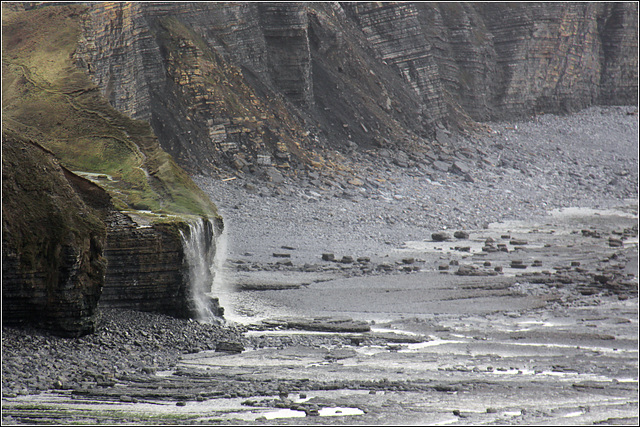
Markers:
{"x": 504, "y": 171}
{"x": 346, "y": 225}
{"x": 126, "y": 343}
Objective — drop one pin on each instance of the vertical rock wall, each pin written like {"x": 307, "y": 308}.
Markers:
{"x": 464, "y": 51}
{"x": 618, "y": 28}
{"x": 394, "y": 32}
{"x": 196, "y": 94}
{"x": 147, "y": 268}
{"x": 248, "y": 84}
{"x": 547, "y": 56}
{"x": 284, "y": 26}
{"x": 121, "y": 56}
{"x": 52, "y": 242}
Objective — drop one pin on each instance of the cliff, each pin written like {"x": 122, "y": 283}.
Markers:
{"x": 94, "y": 211}
{"x": 249, "y": 85}
{"x": 116, "y": 100}
{"x": 53, "y": 262}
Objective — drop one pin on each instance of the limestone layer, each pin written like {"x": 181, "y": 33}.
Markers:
{"x": 247, "y": 84}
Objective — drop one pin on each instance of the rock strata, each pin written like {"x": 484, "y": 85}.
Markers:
{"x": 307, "y": 77}
{"x": 147, "y": 268}
{"x": 53, "y": 264}
{"x": 73, "y": 165}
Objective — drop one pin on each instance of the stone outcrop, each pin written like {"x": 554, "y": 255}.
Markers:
{"x": 53, "y": 262}
{"x": 93, "y": 208}
{"x": 147, "y": 268}
{"x": 306, "y": 76}
{"x": 285, "y": 28}
{"x": 66, "y": 250}
{"x": 394, "y": 32}
{"x": 180, "y": 67}
{"x": 619, "y": 34}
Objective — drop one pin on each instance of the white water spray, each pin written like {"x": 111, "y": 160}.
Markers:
{"x": 220, "y": 288}
{"x": 200, "y": 248}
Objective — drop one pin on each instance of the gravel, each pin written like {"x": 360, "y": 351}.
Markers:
{"x": 504, "y": 171}
{"x": 518, "y": 171}
{"x": 126, "y": 343}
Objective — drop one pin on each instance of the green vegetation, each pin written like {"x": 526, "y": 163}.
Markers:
{"x": 48, "y": 100}
{"x": 30, "y": 411}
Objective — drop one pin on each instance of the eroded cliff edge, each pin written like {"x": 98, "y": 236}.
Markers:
{"x": 248, "y": 86}
{"x": 94, "y": 211}
{"x": 273, "y": 84}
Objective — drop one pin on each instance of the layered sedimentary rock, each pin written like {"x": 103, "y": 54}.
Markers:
{"x": 147, "y": 267}
{"x": 187, "y": 59}
{"x": 465, "y": 55}
{"x": 394, "y": 32}
{"x": 267, "y": 84}
{"x": 284, "y": 26}
{"x": 547, "y": 56}
{"x": 618, "y": 29}
{"x": 93, "y": 208}
{"x": 53, "y": 262}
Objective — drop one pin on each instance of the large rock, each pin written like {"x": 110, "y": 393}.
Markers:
{"x": 53, "y": 264}
{"x": 440, "y": 236}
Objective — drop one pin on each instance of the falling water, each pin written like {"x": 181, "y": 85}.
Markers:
{"x": 200, "y": 252}
{"x": 220, "y": 285}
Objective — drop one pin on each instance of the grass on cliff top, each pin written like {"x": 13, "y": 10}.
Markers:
{"x": 50, "y": 101}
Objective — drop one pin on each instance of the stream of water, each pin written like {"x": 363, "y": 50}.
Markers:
{"x": 201, "y": 248}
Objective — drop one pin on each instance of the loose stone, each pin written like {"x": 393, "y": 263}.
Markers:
{"x": 440, "y": 236}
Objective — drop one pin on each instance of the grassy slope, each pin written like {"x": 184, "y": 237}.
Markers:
{"x": 50, "y": 101}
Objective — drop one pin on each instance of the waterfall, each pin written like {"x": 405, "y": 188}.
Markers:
{"x": 222, "y": 286}
{"x": 200, "y": 249}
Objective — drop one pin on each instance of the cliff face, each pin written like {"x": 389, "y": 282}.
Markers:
{"x": 168, "y": 64}
{"x": 93, "y": 208}
{"x": 250, "y": 85}
{"x": 147, "y": 267}
{"x": 53, "y": 263}
{"x": 618, "y": 27}
{"x": 108, "y": 89}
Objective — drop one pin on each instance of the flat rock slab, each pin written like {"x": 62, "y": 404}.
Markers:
{"x": 320, "y": 324}
{"x": 394, "y": 337}
{"x": 266, "y": 286}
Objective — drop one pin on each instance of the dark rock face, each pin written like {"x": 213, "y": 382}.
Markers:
{"x": 394, "y": 32}
{"x": 185, "y": 68}
{"x": 309, "y": 75}
{"x": 145, "y": 268}
{"x": 148, "y": 269}
{"x": 52, "y": 244}
{"x": 284, "y": 26}
{"x": 66, "y": 250}
{"x": 619, "y": 78}
{"x": 66, "y": 245}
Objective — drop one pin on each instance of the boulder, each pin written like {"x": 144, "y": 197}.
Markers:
{"x": 441, "y": 166}
{"x": 461, "y": 235}
{"x": 460, "y": 167}
{"x": 440, "y": 236}
{"x": 328, "y": 257}
{"x": 229, "y": 347}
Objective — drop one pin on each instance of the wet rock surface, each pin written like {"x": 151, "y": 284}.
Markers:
{"x": 368, "y": 321}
